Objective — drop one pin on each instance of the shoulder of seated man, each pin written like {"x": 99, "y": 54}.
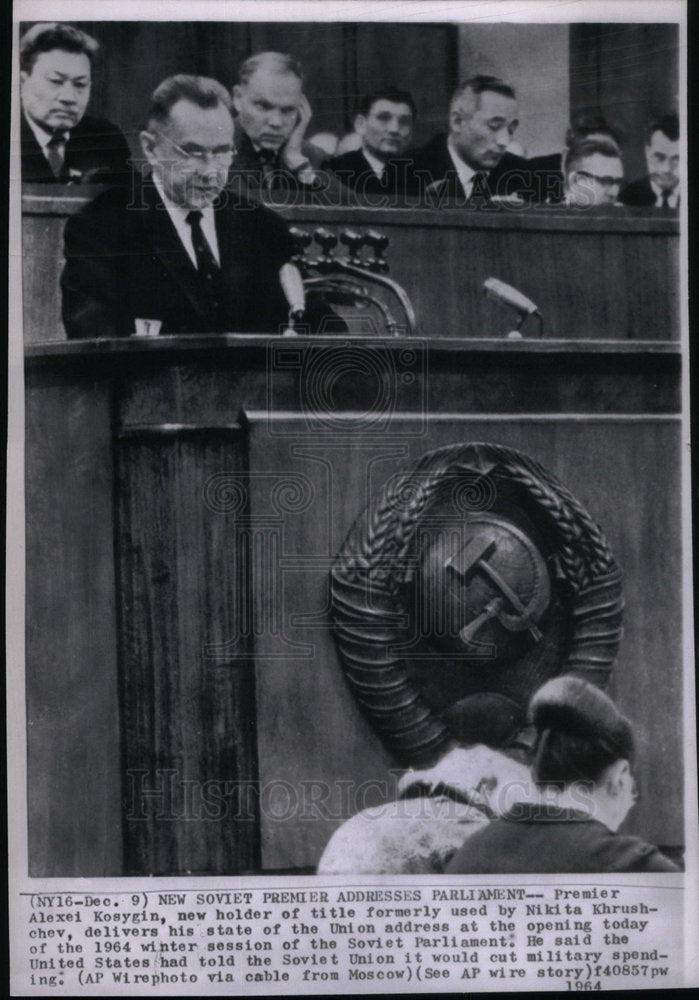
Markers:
{"x": 90, "y": 125}
{"x": 116, "y": 199}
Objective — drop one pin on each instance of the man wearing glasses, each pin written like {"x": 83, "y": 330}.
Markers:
{"x": 593, "y": 174}
{"x": 175, "y": 255}
{"x": 660, "y": 188}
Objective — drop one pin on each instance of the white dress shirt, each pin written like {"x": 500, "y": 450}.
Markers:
{"x": 179, "y": 213}
{"x": 673, "y": 197}
{"x": 44, "y": 138}
{"x": 41, "y": 135}
{"x": 376, "y": 165}
{"x": 466, "y": 173}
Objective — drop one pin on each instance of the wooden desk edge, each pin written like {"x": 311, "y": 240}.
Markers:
{"x": 614, "y": 219}
{"x": 99, "y": 347}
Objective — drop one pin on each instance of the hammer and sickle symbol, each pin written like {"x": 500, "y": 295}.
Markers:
{"x": 507, "y": 606}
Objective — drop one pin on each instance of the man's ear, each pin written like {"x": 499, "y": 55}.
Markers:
{"x": 237, "y": 95}
{"x": 23, "y": 75}
{"x": 147, "y": 140}
{"x": 616, "y": 777}
{"x": 360, "y": 125}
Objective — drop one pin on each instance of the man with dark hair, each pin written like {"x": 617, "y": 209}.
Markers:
{"x": 593, "y": 173}
{"x": 548, "y": 170}
{"x": 60, "y": 143}
{"x": 471, "y": 164}
{"x": 661, "y": 185}
{"x": 172, "y": 255}
{"x": 378, "y": 171}
{"x": 272, "y": 158}
{"x": 568, "y": 819}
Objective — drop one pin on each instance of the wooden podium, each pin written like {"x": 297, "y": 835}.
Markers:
{"x": 595, "y": 273}
{"x": 185, "y": 498}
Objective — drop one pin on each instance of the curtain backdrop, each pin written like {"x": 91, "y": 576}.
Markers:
{"x": 628, "y": 71}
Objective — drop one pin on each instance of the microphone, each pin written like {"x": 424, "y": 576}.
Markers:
{"x": 292, "y": 286}
{"x": 498, "y": 291}
{"x": 295, "y": 294}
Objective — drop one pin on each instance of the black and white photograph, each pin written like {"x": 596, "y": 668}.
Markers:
{"x": 349, "y": 549}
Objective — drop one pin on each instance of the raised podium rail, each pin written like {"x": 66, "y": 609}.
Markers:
{"x": 594, "y": 274}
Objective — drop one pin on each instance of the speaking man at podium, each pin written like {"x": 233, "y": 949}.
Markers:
{"x": 174, "y": 255}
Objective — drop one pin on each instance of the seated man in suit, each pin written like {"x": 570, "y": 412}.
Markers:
{"x": 171, "y": 251}
{"x": 593, "y": 174}
{"x": 661, "y": 185}
{"x": 60, "y": 143}
{"x": 471, "y": 165}
{"x": 272, "y": 158}
{"x": 378, "y": 172}
{"x": 548, "y": 170}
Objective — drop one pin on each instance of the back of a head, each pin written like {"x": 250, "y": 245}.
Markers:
{"x": 391, "y": 94}
{"x": 484, "y": 717}
{"x": 585, "y": 125}
{"x": 580, "y": 151}
{"x": 669, "y": 125}
{"x": 46, "y": 37}
{"x": 480, "y": 84}
{"x": 280, "y": 63}
{"x": 580, "y": 732}
{"x": 203, "y": 91}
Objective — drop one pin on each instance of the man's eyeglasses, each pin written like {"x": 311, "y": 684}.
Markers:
{"x": 605, "y": 182}
{"x": 197, "y": 154}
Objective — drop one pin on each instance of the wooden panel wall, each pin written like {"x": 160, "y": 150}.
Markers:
{"x": 316, "y": 733}
{"x": 74, "y": 773}
{"x": 189, "y": 720}
{"x": 314, "y": 445}
{"x": 593, "y": 276}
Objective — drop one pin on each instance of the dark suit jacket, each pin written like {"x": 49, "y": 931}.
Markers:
{"x": 96, "y": 153}
{"x": 438, "y": 181}
{"x": 535, "y": 838}
{"x": 638, "y": 192}
{"x": 124, "y": 259}
{"x": 354, "y": 170}
{"x": 246, "y": 177}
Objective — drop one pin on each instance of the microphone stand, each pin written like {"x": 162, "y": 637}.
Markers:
{"x": 517, "y": 334}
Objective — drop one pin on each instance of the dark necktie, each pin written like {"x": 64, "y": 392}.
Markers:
{"x": 56, "y": 153}
{"x": 206, "y": 262}
{"x": 479, "y": 187}
{"x": 665, "y": 199}
{"x": 267, "y": 158}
